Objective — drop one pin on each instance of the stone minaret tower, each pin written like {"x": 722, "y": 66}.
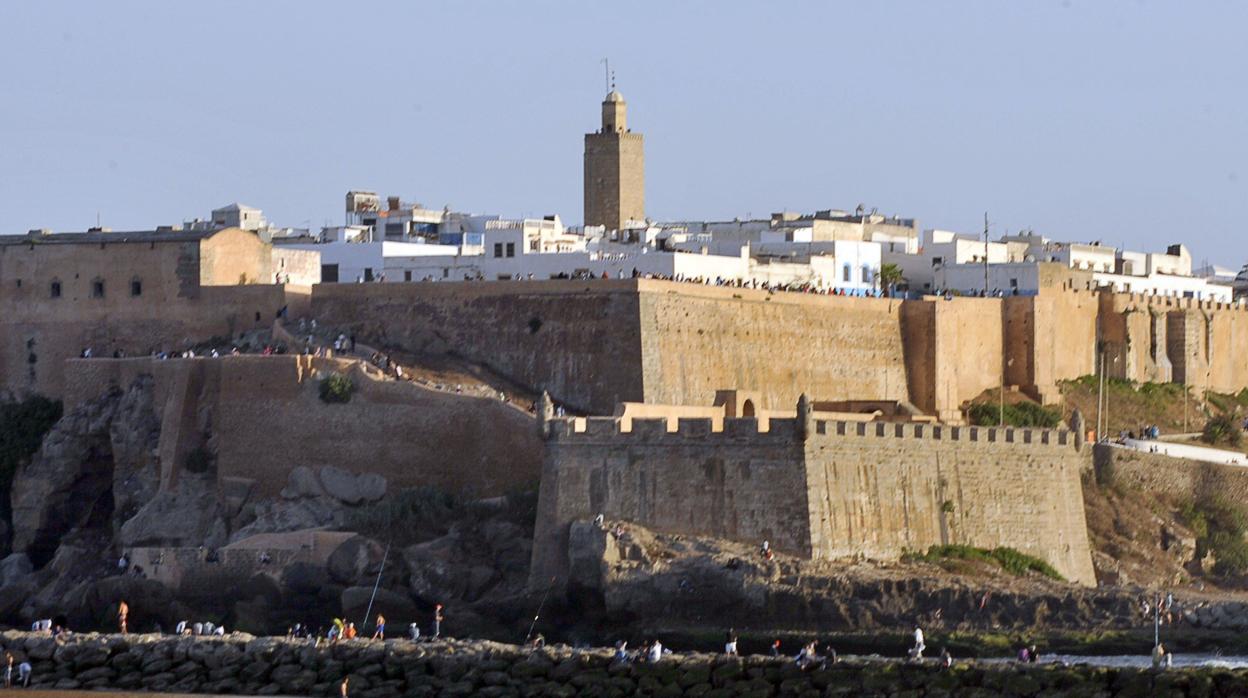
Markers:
{"x": 615, "y": 169}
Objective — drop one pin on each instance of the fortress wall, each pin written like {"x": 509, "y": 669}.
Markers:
{"x": 848, "y": 489}
{"x": 1137, "y": 338}
{"x": 699, "y": 339}
{"x": 1180, "y": 478}
{"x": 411, "y": 435}
{"x": 1050, "y": 337}
{"x": 1176, "y": 339}
{"x": 265, "y": 417}
{"x": 579, "y": 340}
{"x": 1209, "y": 348}
{"x": 953, "y": 351}
{"x": 739, "y": 484}
{"x": 33, "y": 347}
{"x": 880, "y": 489}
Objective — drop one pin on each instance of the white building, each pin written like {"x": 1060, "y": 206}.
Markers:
{"x": 1023, "y": 264}
{"x": 237, "y": 215}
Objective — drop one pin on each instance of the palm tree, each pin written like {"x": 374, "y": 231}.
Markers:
{"x": 890, "y": 277}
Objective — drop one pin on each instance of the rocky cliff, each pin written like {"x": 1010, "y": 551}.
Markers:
{"x": 204, "y": 546}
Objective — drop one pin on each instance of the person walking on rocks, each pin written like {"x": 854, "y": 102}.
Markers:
{"x": 343, "y": 688}
{"x": 916, "y": 652}
{"x": 730, "y": 644}
{"x": 381, "y": 628}
{"x": 437, "y": 621}
{"x": 123, "y": 612}
{"x": 23, "y": 674}
{"x": 8, "y": 670}
{"x": 351, "y": 632}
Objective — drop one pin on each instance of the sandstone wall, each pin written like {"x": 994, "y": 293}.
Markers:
{"x": 246, "y": 666}
{"x": 579, "y": 340}
{"x": 264, "y": 417}
{"x": 234, "y": 257}
{"x": 1049, "y": 338}
{"x": 1180, "y": 478}
{"x": 878, "y": 489}
{"x": 699, "y": 339}
{"x": 953, "y": 351}
{"x": 1203, "y": 344}
{"x": 845, "y": 489}
{"x": 34, "y": 344}
{"x": 738, "y": 484}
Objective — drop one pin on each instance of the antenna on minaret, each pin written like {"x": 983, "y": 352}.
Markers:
{"x": 613, "y": 81}
{"x": 606, "y": 73}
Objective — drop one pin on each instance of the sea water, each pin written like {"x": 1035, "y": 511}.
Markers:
{"x": 1140, "y": 661}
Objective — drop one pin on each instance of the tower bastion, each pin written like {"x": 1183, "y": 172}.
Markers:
{"x": 819, "y": 489}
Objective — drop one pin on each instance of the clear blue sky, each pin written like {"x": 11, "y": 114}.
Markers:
{"x": 1118, "y": 121}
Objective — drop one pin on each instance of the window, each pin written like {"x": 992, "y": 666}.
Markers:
{"x": 866, "y": 274}
{"x": 136, "y": 287}
{"x": 446, "y": 272}
{"x": 368, "y": 273}
{"x": 56, "y": 289}
{"x": 407, "y": 274}
{"x": 511, "y": 249}
{"x": 846, "y": 273}
{"x": 498, "y": 249}
{"x": 1013, "y": 283}
{"x": 97, "y": 288}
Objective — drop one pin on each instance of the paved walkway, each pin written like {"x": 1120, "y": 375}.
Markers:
{"x": 1201, "y": 453}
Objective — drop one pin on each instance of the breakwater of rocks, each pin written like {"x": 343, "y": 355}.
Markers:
{"x": 245, "y": 665}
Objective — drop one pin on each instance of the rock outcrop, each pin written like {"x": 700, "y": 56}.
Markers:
{"x": 186, "y": 516}
{"x": 67, "y": 485}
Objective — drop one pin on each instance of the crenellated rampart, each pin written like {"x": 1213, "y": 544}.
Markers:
{"x": 820, "y": 489}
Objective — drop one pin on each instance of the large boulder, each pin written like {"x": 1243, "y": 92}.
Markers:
{"x": 435, "y": 570}
{"x": 302, "y": 482}
{"x": 14, "y": 569}
{"x": 304, "y": 578}
{"x": 283, "y": 515}
{"x": 188, "y": 515}
{"x": 350, "y": 488}
{"x": 355, "y": 561}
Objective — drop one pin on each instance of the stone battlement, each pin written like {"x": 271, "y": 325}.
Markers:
{"x": 818, "y": 488}
{"x": 594, "y": 429}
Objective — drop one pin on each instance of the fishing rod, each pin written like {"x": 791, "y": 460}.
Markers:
{"x": 369, "y": 612}
{"x": 539, "y": 610}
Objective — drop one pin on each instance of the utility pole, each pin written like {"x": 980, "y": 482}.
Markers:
{"x": 1100, "y": 397}
{"x": 986, "y": 256}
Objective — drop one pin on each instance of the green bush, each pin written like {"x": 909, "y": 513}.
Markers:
{"x": 1011, "y": 560}
{"x": 1022, "y": 414}
{"x": 336, "y": 388}
{"x": 1219, "y": 525}
{"x": 408, "y": 516}
{"x": 1230, "y": 554}
{"x": 1223, "y": 429}
{"x": 22, "y": 428}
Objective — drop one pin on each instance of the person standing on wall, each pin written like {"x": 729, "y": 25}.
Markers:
{"x": 123, "y": 612}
